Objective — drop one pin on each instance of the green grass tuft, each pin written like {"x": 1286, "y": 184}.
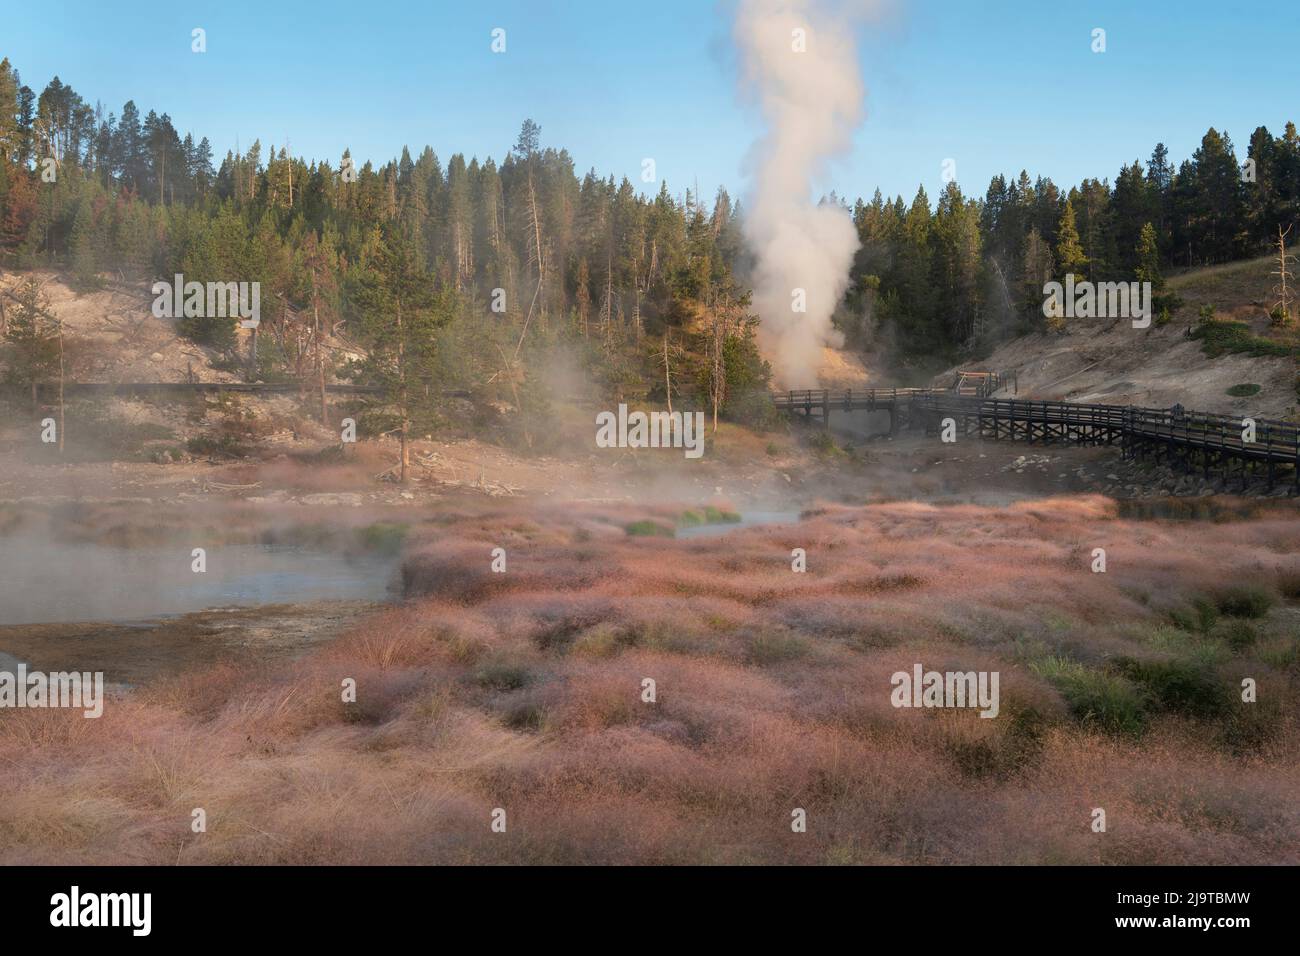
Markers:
{"x": 649, "y": 529}
{"x": 1227, "y": 337}
{"x": 1106, "y": 700}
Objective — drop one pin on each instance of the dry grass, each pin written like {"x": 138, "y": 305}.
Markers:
{"x": 523, "y": 691}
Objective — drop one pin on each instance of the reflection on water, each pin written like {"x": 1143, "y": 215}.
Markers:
{"x": 51, "y": 582}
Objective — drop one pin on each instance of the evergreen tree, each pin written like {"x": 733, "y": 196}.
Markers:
{"x": 400, "y": 313}
{"x": 1069, "y": 251}
{"x": 31, "y": 338}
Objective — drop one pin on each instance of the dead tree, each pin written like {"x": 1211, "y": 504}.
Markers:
{"x": 1281, "y": 314}
{"x": 669, "y": 352}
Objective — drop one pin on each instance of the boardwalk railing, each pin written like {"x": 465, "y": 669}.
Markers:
{"x": 980, "y": 384}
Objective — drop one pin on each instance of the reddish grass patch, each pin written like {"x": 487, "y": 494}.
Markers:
{"x": 525, "y": 690}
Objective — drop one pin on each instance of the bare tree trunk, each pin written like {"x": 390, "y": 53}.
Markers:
{"x": 1282, "y": 310}
{"x": 60, "y": 386}
{"x": 537, "y": 245}
{"x": 607, "y": 310}
{"x": 401, "y": 379}
{"x": 320, "y": 362}
{"x": 668, "y": 378}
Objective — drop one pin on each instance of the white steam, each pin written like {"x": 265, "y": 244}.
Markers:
{"x": 812, "y": 102}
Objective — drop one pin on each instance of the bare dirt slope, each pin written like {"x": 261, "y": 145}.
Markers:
{"x": 115, "y": 337}
{"x": 1110, "y": 361}
{"x": 118, "y": 337}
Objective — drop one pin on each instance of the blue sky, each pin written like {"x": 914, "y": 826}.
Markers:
{"x": 995, "y": 86}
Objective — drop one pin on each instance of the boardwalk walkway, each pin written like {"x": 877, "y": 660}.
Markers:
{"x": 1188, "y": 439}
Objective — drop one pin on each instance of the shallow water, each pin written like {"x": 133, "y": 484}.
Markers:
{"x": 748, "y": 519}
{"x": 44, "y": 581}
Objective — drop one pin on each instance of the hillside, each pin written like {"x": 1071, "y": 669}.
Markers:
{"x": 114, "y": 336}
{"x": 1110, "y": 361}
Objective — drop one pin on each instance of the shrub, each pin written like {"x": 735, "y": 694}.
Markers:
{"x": 774, "y": 647}
{"x": 1281, "y": 654}
{"x": 1237, "y": 633}
{"x": 1222, "y": 337}
{"x": 525, "y": 716}
{"x": 1096, "y": 697}
{"x": 1245, "y": 390}
{"x": 822, "y": 443}
{"x": 1201, "y": 616}
{"x": 1187, "y": 685}
{"x": 502, "y": 676}
{"x": 224, "y": 446}
{"x": 383, "y": 536}
{"x": 1245, "y": 601}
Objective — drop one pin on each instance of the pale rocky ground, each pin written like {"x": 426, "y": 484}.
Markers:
{"x": 1109, "y": 361}
{"x": 117, "y": 336}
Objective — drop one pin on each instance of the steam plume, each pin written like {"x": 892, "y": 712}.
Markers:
{"x": 812, "y": 102}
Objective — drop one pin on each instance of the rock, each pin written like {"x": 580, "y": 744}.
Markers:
{"x": 156, "y": 357}
{"x": 351, "y": 498}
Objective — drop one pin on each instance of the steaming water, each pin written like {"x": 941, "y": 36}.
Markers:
{"x": 44, "y": 582}
{"x": 748, "y": 519}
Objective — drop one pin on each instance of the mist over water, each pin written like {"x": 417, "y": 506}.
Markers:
{"x": 54, "y": 582}
{"x": 798, "y": 60}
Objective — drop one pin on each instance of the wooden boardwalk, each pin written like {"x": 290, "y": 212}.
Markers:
{"x": 1193, "y": 441}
